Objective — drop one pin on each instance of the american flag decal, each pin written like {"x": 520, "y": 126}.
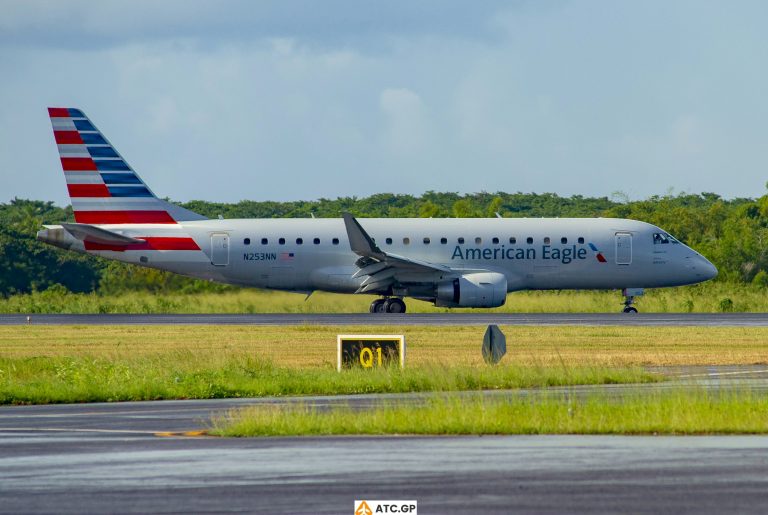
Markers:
{"x": 286, "y": 256}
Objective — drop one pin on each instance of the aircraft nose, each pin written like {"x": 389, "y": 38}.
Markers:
{"x": 710, "y": 269}
{"x": 702, "y": 268}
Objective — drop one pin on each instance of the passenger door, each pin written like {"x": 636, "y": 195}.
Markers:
{"x": 220, "y": 249}
{"x": 623, "y": 248}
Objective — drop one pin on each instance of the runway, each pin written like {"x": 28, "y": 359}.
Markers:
{"x": 177, "y": 416}
{"x": 119, "y": 457}
{"x": 531, "y": 474}
{"x": 439, "y": 319}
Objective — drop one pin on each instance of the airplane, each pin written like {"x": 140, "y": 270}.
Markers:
{"x": 452, "y": 262}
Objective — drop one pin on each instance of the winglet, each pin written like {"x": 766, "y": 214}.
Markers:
{"x": 363, "y": 245}
{"x": 359, "y": 241}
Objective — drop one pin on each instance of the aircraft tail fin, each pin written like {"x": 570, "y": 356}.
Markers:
{"x": 103, "y": 188}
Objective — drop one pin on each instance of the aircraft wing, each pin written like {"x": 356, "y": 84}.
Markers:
{"x": 382, "y": 268}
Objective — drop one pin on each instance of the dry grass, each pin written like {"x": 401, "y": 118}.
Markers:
{"x": 315, "y": 346}
{"x": 710, "y": 297}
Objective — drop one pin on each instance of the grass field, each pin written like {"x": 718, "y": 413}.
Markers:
{"x": 189, "y": 376}
{"x": 707, "y": 298}
{"x": 677, "y": 412}
{"x": 93, "y": 363}
{"x": 307, "y": 347}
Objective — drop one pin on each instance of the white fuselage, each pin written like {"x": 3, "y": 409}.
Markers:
{"x": 451, "y": 262}
{"x": 532, "y": 253}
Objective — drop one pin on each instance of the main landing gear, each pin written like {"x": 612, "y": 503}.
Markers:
{"x": 629, "y": 298}
{"x": 388, "y": 305}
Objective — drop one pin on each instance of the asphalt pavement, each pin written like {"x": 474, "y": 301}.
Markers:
{"x": 443, "y": 319}
{"x": 133, "y": 457}
{"x": 74, "y": 472}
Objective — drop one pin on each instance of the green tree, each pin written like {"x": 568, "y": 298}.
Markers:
{"x": 463, "y": 209}
{"x": 429, "y": 209}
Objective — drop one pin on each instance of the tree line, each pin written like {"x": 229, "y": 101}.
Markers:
{"x": 732, "y": 233}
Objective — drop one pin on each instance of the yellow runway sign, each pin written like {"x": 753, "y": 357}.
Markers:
{"x": 370, "y": 350}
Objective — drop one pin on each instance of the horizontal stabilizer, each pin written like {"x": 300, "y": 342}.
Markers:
{"x": 92, "y": 234}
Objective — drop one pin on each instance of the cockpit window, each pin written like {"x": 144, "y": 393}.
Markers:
{"x": 662, "y": 238}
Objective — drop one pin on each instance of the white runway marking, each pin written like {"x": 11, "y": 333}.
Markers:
{"x": 75, "y": 430}
{"x": 717, "y": 374}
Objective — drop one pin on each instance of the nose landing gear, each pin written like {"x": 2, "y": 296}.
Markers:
{"x": 388, "y": 305}
{"x": 627, "y": 307}
{"x": 629, "y": 298}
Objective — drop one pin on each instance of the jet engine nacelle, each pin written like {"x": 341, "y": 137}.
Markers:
{"x": 478, "y": 290}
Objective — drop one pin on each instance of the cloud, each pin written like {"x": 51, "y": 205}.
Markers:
{"x": 300, "y": 100}
{"x": 85, "y": 23}
{"x": 406, "y": 128}
{"x": 687, "y": 134}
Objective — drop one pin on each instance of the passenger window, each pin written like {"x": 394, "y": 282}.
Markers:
{"x": 426, "y": 241}
{"x": 299, "y": 241}
{"x": 335, "y": 241}
{"x": 316, "y": 241}
{"x": 546, "y": 240}
{"x": 512, "y": 240}
{"x": 564, "y": 240}
{"x": 529, "y": 240}
{"x": 478, "y": 241}
{"x": 406, "y": 241}
{"x": 247, "y": 241}
{"x": 495, "y": 241}
{"x": 281, "y": 241}
{"x": 581, "y": 240}
{"x": 388, "y": 241}
{"x": 461, "y": 241}
{"x": 444, "y": 241}
{"x": 264, "y": 241}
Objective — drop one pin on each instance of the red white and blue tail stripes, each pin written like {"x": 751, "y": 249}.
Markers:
{"x": 104, "y": 189}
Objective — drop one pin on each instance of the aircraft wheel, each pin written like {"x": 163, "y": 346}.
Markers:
{"x": 394, "y": 306}
{"x": 630, "y": 309}
{"x": 377, "y": 306}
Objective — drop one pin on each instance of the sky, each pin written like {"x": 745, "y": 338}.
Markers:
{"x": 300, "y": 100}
